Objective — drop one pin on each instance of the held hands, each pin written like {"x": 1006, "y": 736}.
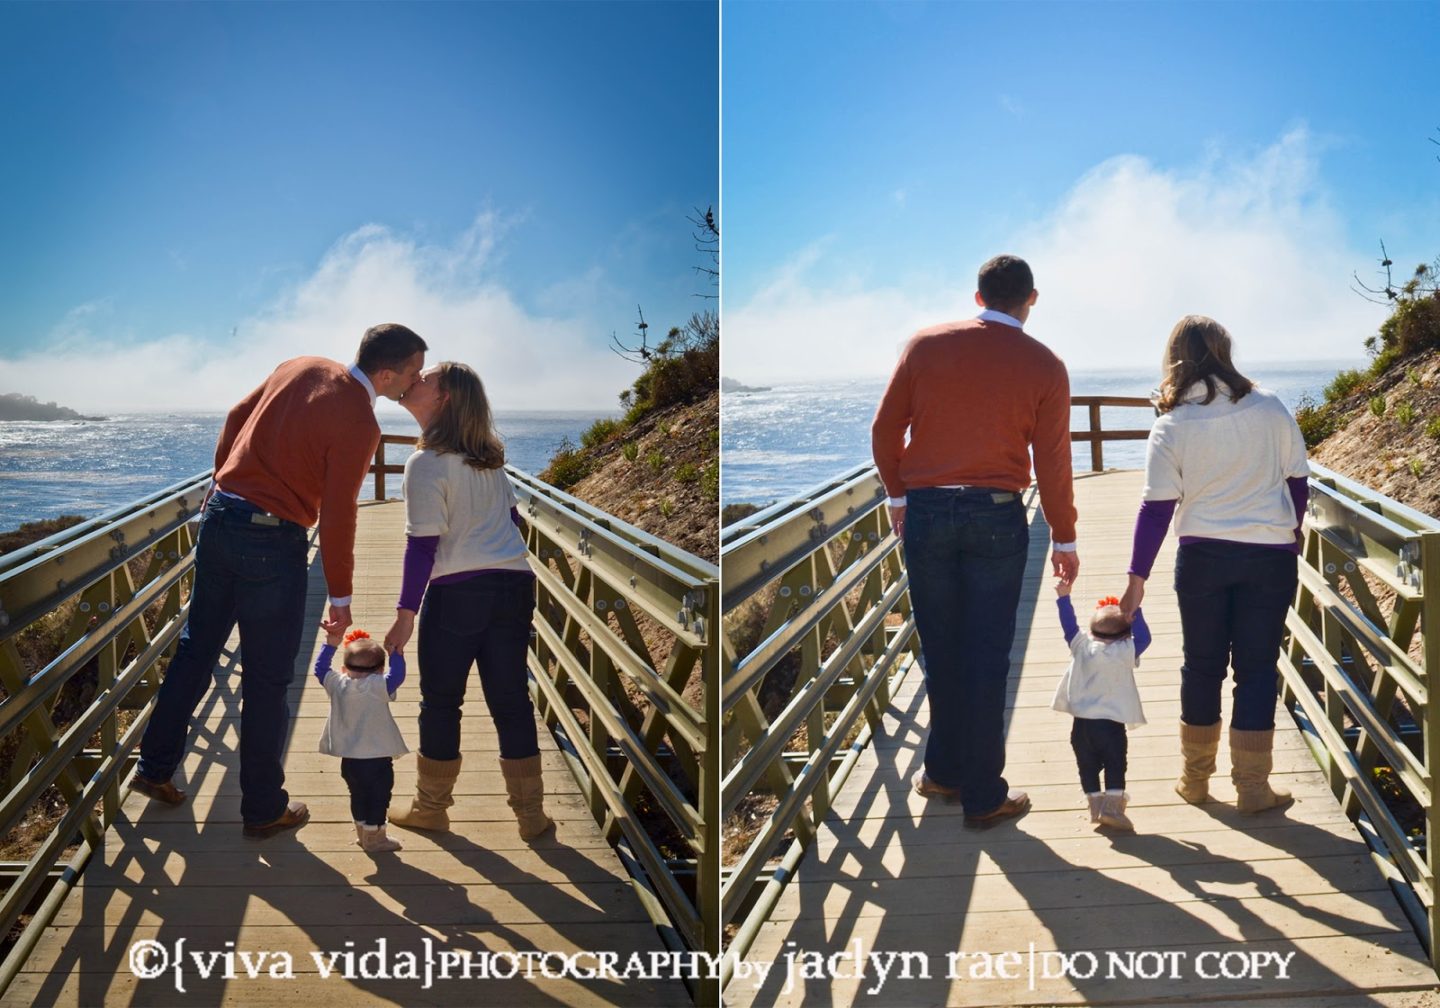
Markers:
{"x": 1134, "y": 595}
{"x": 1062, "y": 587}
{"x": 333, "y": 637}
{"x": 336, "y": 624}
{"x": 400, "y": 631}
{"x": 1066, "y": 565}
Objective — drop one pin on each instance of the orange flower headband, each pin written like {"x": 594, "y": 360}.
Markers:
{"x": 355, "y": 635}
{"x": 1106, "y": 601}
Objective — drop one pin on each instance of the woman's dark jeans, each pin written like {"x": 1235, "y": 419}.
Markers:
{"x": 1233, "y": 600}
{"x": 965, "y": 552}
{"x": 483, "y": 621}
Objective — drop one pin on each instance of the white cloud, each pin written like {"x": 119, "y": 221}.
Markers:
{"x": 556, "y": 360}
{"x": 1253, "y": 242}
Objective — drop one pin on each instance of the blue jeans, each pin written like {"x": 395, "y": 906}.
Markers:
{"x": 1233, "y": 599}
{"x": 965, "y": 551}
{"x": 483, "y": 621}
{"x": 371, "y": 783}
{"x": 252, "y": 574}
{"x": 1100, "y": 744}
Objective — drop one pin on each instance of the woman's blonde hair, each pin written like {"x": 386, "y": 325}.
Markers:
{"x": 463, "y": 423}
{"x": 1198, "y": 351}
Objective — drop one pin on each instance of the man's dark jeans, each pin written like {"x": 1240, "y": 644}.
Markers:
{"x": 965, "y": 551}
{"x": 253, "y": 574}
{"x": 1233, "y": 599}
{"x": 483, "y": 621}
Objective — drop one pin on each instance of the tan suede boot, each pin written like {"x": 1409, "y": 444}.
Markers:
{"x": 374, "y": 841}
{"x": 1251, "y": 762}
{"x": 435, "y": 781}
{"x": 1198, "y": 744}
{"x": 1112, "y": 811}
{"x": 526, "y": 788}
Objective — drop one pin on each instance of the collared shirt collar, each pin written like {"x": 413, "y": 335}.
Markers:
{"x": 991, "y": 315}
{"x": 363, "y": 379}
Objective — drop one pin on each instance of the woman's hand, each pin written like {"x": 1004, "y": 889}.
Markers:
{"x": 1134, "y": 595}
{"x": 400, "y": 631}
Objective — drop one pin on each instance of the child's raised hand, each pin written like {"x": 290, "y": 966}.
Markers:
{"x": 1062, "y": 587}
{"x": 333, "y": 639}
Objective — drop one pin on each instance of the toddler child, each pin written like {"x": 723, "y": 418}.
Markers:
{"x": 1099, "y": 690}
{"x": 361, "y": 730}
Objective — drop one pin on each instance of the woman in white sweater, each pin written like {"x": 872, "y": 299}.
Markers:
{"x": 1227, "y": 462}
{"x": 464, "y": 554}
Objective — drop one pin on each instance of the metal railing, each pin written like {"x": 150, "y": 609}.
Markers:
{"x": 1364, "y": 638}
{"x": 111, "y": 595}
{"x": 624, "y": 624}
{"x": 815, "y": 584}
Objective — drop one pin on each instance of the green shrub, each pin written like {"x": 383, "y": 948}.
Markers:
{"x": 710, "y": 480}
{"x": 567, "y": 467}
{"x": 1316, "y": 422}
{"x": 1416, "y": 466}
{"x": 732, "y": 513}
{"x": 1413, "y": 377}
{"x": 1432, "y": 428}
{"x": 1343, "y": 384}
{"x": 667, "y": 507}
{"x": 631, "y": 451}
{"x": 686, "y": 473}
{"x": 656, "y": 461}
{"x": 1405, "y": 413}
{"x": 601, "y": 431}
{"x": 1377, "y": 405}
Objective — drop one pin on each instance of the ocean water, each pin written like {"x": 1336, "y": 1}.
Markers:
{"x": 93, "y": 466}
{"x": 784, "y": 441}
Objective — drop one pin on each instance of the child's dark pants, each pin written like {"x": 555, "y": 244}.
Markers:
{"x": 1099, "y": 745}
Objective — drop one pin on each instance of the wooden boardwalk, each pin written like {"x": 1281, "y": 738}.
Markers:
{"x": 188, "y": 875}
{"x": 1288, "y": 904}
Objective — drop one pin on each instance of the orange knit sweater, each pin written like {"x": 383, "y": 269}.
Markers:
{"x": 975, "y": 397}
{"x": 299, "y": 446}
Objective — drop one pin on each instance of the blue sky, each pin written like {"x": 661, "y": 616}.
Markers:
{"x": 1151, "y": 160}
{"x": 197, "y": 191}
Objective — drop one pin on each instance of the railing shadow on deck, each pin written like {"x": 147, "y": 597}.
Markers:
{"x": 818, "y": 583}
{"x": 624, "y": 623}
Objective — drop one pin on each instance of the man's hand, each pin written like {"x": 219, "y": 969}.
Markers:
{"x": 338, "y": 621}
{"x": 400, "y": 631}
{"x": 897, "y": 520}
{"x": 1066, "y": 565}
{"x": 1134, "y": 595}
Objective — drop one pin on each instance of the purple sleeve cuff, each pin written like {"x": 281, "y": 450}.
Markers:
{"x": 1140, "y": 630}
{"x": 1068, "y": 623}
{"x": 515, "y": 517}
{"x": 1300, "y": 495}
{"x": 396, "y": 675}
{"x": 419, "y": 562}
{"x": 1151, "y": 524}
{"x": 323, "y": 660}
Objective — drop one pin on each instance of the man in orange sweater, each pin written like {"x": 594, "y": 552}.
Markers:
{"x": 295, "y": 449}
{"x": 977, "y": 397}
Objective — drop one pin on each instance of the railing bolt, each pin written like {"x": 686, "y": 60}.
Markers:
{"x": 600, "y": 605}
{"x": 1329, "y": 568}
{"x": 84, "y": 607}
{"x": 785, "y": 591}
{"x": 104, "y": 607}
{"x": 1349, "y": 567}
{"x": 805, "y": 591}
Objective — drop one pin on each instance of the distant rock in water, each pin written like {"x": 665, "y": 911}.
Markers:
{"x": 731, "y": 385}
{"x": 14, "y": 406}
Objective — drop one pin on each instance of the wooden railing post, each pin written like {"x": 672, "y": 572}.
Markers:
{"x": 380, "y": 469}
{"x": 1097, "y": 449}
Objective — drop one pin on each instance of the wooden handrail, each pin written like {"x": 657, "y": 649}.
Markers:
{"x": 1096, "y": 435}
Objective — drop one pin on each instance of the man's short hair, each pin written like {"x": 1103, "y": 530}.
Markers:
{"x": 1006, "y": 283}
{"x": 388, "y": 345}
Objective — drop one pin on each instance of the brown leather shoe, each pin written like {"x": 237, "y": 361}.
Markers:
{"x": 927, "y": 788}
{"x": 1017, "y": 803}
{"x": 294, "y": 816}
{"x": 161, "y": 791}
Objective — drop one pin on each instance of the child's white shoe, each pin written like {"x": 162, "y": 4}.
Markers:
{"x": 1095, "y": 800}
{"x": 1112, "y": 811}
{"x": 372, "y": 839}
